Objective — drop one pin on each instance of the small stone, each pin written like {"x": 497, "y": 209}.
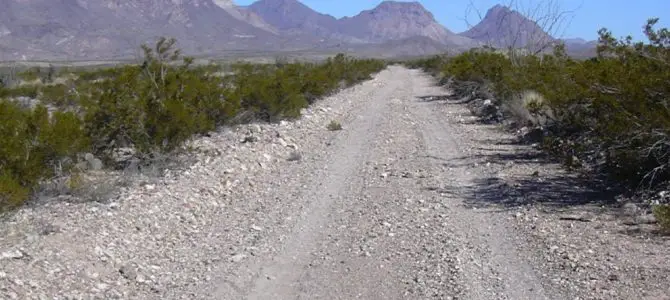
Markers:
{"x": 48, "y": 228}
{"x": 238, "y": 257}
{"x": 256, "y": 228}
{"x": 249, "y": 139}
{"x": 12, "y": 254}
{"x": 83, "y": 166}
{"x": 255, "y": 128}
{"x": 128, "y": 272}
{"x": 95, "y": 164}
{"x": 629, "y": 209}
{"x": 140, "y": 278}
{"x": 645, "y": 219}
{"x": 294, "y": 156}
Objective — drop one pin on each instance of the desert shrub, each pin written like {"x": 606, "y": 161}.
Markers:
{"x": 35, "y": 146}
{"x": 31, "y": 74}
{"x": 610, "y": 111}
{"x": 269, "y": 93}
{"x": 432, "y": 64}
{"x": 60, "y": 95}
{"x": 273, "y": 92}
{"x": 156, "y": 106}
{"x": 96, "y": 74}
{"x": 153, "y": 107}
{"x": 480, "y": 66}
{"x": 351, "y": 70}
{"x": 26, "y": 90}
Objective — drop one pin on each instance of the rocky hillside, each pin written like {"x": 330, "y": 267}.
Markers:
{"x": 393, "y": 20}
{"x": 503, "y": 27}
{"x": 92, "y": 29}
{"x": 245, "y": 15}
{"x": 294, "y": 18}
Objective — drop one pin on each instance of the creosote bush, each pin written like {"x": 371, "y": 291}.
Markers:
{"x": 152, "y": 107}
{"x": 35, "y": 146}
{"x": 610, "y": 111}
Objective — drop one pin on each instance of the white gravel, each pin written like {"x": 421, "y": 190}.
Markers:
{"x": 397, "y": 205}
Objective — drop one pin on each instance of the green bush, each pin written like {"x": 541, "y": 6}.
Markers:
{"x": 34, "y": 146}
{"x": 610, "y": 111}
{"x": 153, "y": 107}
{"x": 26, "y": 90}
{"x": 273, "y": 92}
{"x": 269, "y": 93}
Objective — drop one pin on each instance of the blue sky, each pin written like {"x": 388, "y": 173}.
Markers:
{"x": 622, "y": 17}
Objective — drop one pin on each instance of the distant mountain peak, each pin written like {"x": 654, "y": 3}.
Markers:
{"x": 414, "y": 8}
{"x": 505, "y": 27}
{"x": 405, "y": 4}
{"x": 394, "y": 20}
{"x": 293, "y": 16}
{"x": 281, "y": 4}
{"x": 499, "y": 8}
{"x": 500, "y": 12}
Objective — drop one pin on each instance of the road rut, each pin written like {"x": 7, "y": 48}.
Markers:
{"x": 375, "y": 225}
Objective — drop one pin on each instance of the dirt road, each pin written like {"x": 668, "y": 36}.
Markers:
{"x": 374, "y": 227}
{"x": 386, "y": 208}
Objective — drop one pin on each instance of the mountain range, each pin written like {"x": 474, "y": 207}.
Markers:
{"x": 114, "y": 29}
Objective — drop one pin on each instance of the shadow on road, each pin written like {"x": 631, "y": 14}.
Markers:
{"x": 530, "y": 176}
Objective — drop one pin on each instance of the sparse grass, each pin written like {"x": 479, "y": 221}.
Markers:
{"x": 334, "y": 126}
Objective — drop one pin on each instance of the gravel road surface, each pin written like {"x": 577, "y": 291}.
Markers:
{"x": 396, "y": 205}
